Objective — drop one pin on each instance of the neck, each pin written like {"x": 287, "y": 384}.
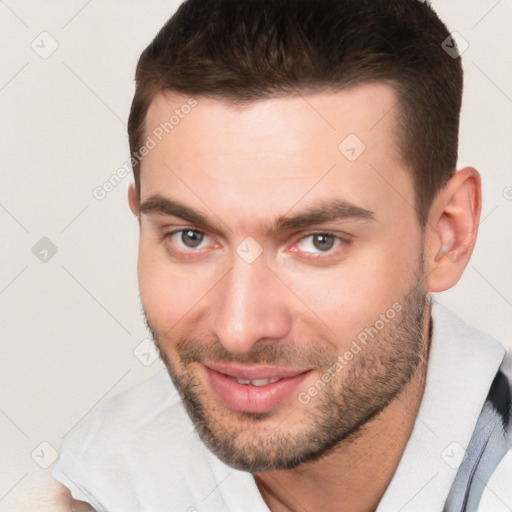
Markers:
{"x": 355, "y": 474}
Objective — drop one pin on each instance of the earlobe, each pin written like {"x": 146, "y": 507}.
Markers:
{"x": 452, "y": 229}
{"x": 133, "y": 200}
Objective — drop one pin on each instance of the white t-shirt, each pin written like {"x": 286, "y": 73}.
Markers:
{"x": 140, "y": 453}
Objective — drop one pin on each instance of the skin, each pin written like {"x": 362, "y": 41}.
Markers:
{"x": 57, "y": 498}
{"x": 243, "y": 168}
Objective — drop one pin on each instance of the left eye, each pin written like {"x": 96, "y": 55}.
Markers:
{"x": 318, "y": 243}
{"x": 187, "y": 238}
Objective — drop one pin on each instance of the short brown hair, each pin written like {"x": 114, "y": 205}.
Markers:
{"x": 246, "y": 50}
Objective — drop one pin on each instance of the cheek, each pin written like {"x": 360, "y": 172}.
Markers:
{"x": 168, "y": 292}
{"x": 351, "y": 296}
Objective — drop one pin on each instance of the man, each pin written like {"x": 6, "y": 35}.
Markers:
{"x": 298, "y": 200}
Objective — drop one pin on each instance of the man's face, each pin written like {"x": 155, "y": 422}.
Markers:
{"x": 304, "y": 265}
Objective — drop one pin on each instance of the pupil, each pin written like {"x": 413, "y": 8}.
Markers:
{"x": 323, "y": 242}
{"x": 191, "y": 238}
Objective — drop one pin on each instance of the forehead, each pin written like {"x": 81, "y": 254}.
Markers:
{"x": 276, "y": 151}
{"x": 368, "y": 110}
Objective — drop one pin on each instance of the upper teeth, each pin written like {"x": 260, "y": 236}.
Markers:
{"x": 258, "y": 382}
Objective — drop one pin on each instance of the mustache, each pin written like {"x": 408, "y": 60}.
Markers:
{"x": 201, "y": 350}
{"x": 275, "y": 353}
{"x": 197, "y": 350}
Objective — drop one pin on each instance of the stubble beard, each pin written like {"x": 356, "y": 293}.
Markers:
{"x": 361, "y": 390}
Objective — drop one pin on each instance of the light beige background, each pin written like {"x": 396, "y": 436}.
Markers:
{"x": 71, "y": 327}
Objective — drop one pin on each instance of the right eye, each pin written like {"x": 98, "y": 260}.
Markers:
{"x": 187, "y": 238}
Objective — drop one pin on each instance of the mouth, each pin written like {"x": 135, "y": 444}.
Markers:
{"x": 253, "y": 389}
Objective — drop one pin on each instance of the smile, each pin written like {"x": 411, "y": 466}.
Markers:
{"x": 253, "y": 389}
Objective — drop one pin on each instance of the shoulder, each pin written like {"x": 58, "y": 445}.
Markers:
{"x": 102, "y": 459}
{"x": 497, "y": 495}
{"x": 125, "y": 413}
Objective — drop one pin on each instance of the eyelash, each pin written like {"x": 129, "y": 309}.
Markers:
{"x": 196, "y": 253}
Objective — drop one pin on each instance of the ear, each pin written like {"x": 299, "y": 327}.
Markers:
{"x": 452, "y": 229}
{"x": 133, "y": 200}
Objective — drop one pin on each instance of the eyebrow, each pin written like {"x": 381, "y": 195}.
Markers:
{"x": 159, "y": 205}
{"x": 325, "y": 211}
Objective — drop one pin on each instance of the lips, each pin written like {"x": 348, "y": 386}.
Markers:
{"x": 254, "y": 389}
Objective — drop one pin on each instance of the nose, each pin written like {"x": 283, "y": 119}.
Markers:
{"x": 249, "y": 306}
